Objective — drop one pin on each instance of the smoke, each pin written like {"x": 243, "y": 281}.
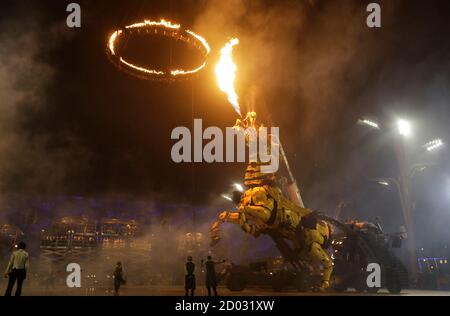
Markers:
{"x": 312, "y": 63}
{"x": 315, "y": 66}
{"x": 294, "y": 51}
{"x": 31, "y": 159}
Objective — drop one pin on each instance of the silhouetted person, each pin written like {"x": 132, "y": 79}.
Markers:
{"x": 17, "y": 269}
{"x": 211, "y": 279}
{"x": 189, "y": 280}
{"x": 118, "y": 278}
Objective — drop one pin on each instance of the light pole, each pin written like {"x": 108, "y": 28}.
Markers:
{"x": 403, "y": 182}
{"x": 434, "y": 144}
{"x": 403, "y": 186}
{"x": 238, "y": 187}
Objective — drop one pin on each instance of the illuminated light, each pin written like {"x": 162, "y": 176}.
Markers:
{"x": 226, "y": 74}
{"x": 369, "y": 123}
{"x": 165, "y": 28}
{"x": 422, "y": 168}
{"x": 239, "y": 187}
{"x": 227, "y": 197}
{"x": 383, "y": 183}
{"x": 404, "y": 127}
{"x": 434, "y": 144}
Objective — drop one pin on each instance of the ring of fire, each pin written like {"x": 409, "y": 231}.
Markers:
{"x": 164, "y": 28}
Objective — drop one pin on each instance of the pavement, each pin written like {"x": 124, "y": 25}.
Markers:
{"x": 179, "y": 291}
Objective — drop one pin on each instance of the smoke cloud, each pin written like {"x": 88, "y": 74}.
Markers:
{"x": 317, "y": 68}
{"x": 32, "y": 159}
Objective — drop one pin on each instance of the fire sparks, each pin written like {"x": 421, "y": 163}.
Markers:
{"x": 226, "y": 73}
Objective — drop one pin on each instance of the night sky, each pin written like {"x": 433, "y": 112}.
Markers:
{"x": 73, "y": 124}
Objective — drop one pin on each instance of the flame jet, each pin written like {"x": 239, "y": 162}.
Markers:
{"x": 226, "y": 73}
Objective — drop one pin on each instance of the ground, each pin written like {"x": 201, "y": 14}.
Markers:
{"x": 179, "y": 291}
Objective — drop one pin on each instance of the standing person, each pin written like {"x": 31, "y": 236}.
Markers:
{"x": 211, "y": 279}
{"x": 189, "y": 280}
{"x": 118, "y": 278}
{"x": 17, "y": 269}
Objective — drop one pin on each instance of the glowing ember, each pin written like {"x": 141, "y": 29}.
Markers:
{"x": 226, "y": 74}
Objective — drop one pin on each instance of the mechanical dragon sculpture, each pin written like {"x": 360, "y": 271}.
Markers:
{"x": 299, "y": 233}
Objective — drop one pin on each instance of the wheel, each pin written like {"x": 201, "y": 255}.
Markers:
{"x": 340, "y": 288}
{"x": 360, "y": 284}
{"x": 394, "y": 287}
{"x": 393, "y": 282}
{"x": 236, "y": 282}
{"x": 281, "y": 280}
{"x": 338, "y": 283}
{"x": 373, "y": 290}
{"x": 277, "y": 282}
{"x": 300, "y": 283}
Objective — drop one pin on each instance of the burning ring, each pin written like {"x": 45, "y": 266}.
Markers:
{"x": 164, "y": 28}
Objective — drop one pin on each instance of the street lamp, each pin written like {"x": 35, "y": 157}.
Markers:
{"x": 403, "y": 182}
{"x": 404, "y": 127}
{"x": 434, "y": 144}
{"x": 369, "y": 123}
{"x": 238, "y": 187}
{"x": 227, "y": 197}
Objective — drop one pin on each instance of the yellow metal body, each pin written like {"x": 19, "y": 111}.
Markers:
{"x": 263, "y": 208}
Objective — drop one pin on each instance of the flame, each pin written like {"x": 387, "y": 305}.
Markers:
{"x": 162, "y": 22}
{"x": 112, "y": 41}
{"x": 226, "y": 73}
{"x": 148, "y": 71}
{"x": 202, "y": 40}
{"x": 177, "y": 30}
{"x": 180, "y": 72}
